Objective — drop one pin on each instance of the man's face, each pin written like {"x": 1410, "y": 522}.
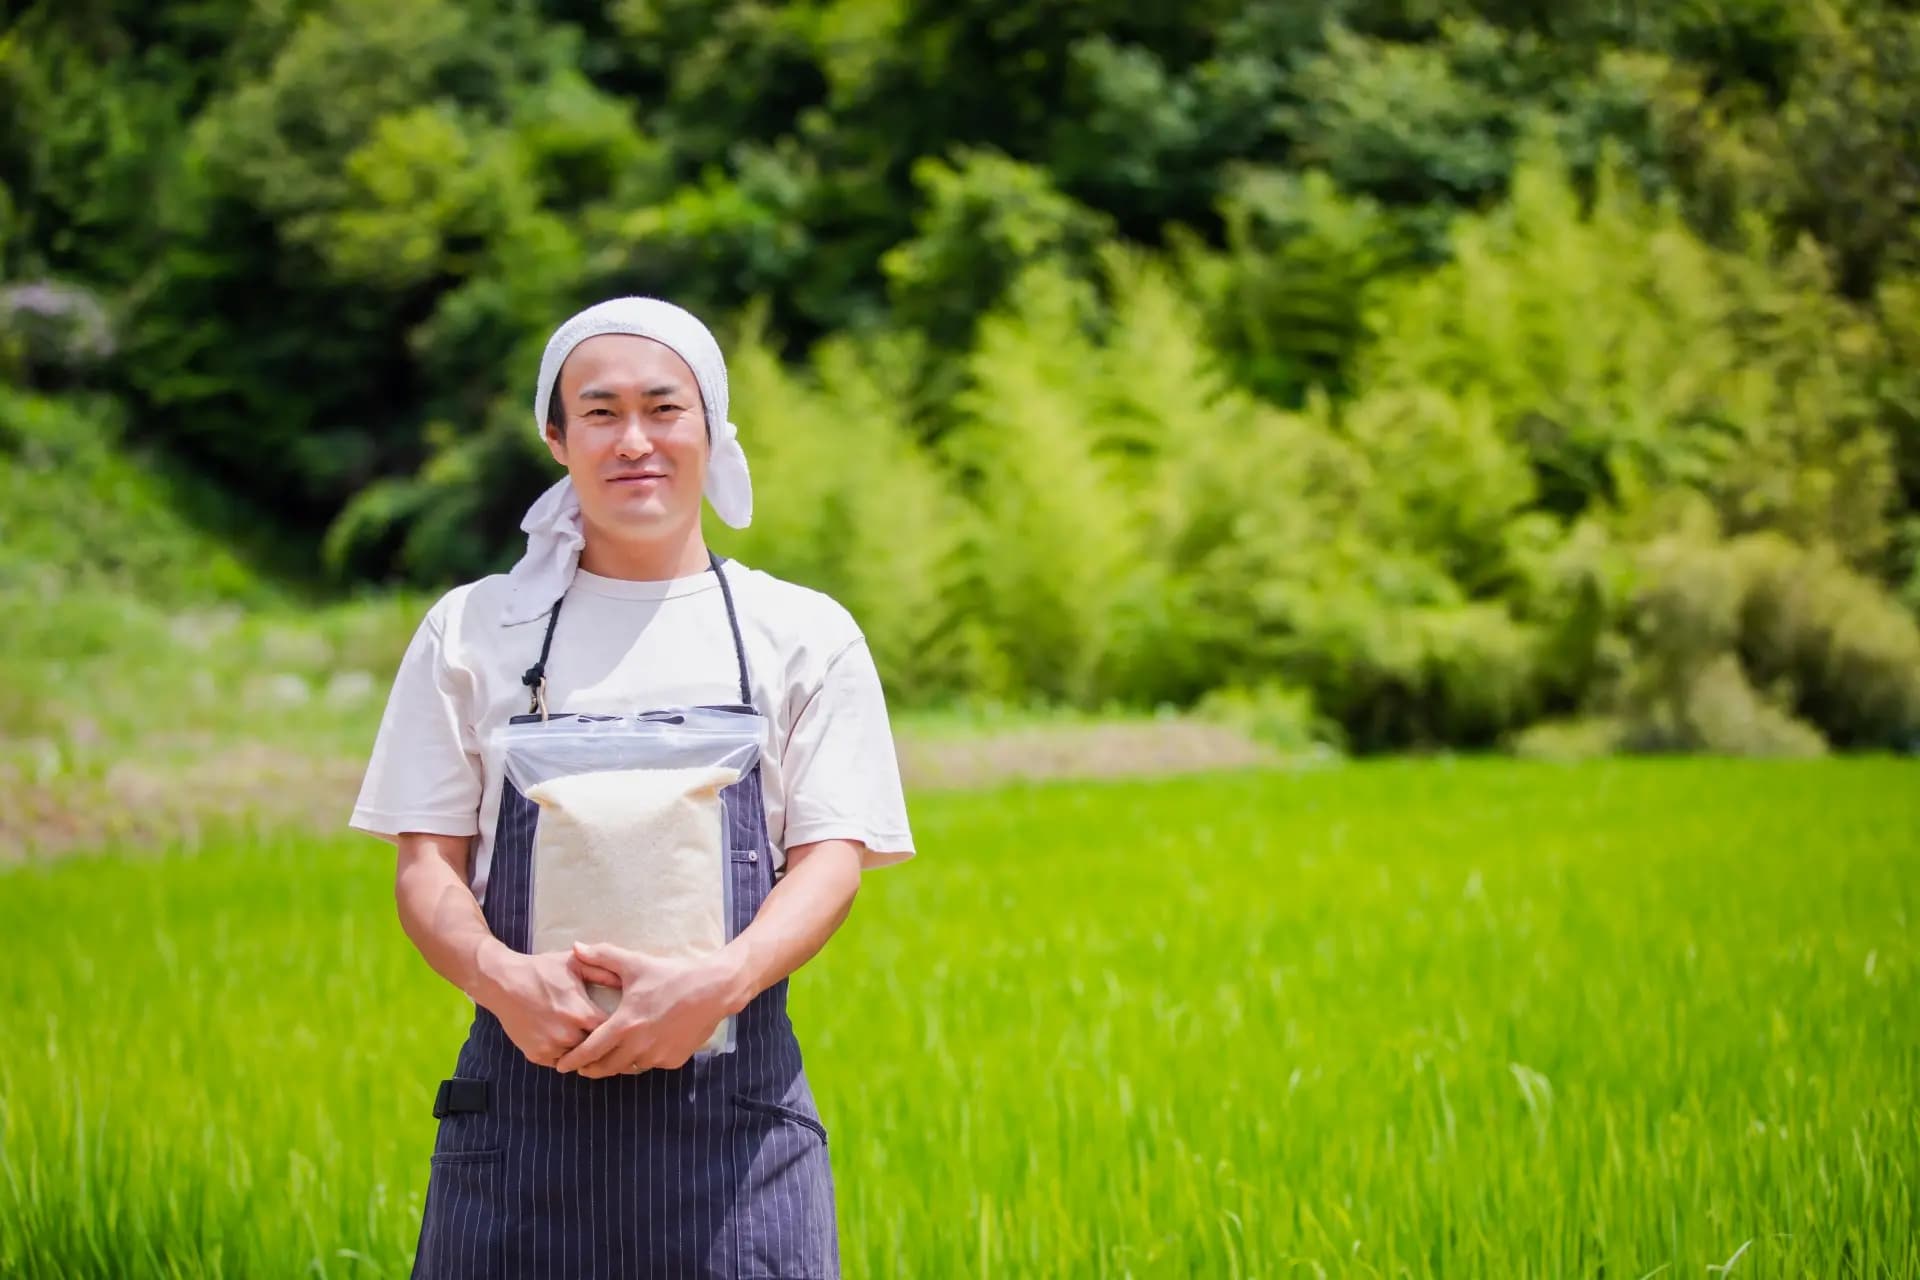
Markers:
{"x": 636, "y": 438}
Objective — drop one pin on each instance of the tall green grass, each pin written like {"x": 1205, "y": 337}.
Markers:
{"x": 1406, "y": 1018}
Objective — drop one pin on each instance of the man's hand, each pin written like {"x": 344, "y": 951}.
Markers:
{"x": 668, "y": 1008}
{"x": 541, "y": 1002}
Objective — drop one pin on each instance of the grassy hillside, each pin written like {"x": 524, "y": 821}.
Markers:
{"x": 161, "y": 676}
{"x": 153, "y": 674}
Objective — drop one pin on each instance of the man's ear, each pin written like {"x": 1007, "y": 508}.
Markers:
{"x": 556, "y": 444}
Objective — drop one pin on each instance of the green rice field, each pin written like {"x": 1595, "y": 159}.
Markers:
{"x": 1466, "y": 1018}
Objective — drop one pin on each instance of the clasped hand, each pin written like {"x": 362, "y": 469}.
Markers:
{"x": 668, "y": 1009}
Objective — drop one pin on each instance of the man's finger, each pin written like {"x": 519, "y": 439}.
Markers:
{"x": 577, "y": 1007}
{"x": 612, "y": 1060}
{"x": 589, "y": 972}
{"x": 594, "y": 1047}
{"x": 602, "y": 955}
{"x": 623, "y": 1054}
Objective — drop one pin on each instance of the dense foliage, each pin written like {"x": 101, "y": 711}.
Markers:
{"x": 1393, "y": 371}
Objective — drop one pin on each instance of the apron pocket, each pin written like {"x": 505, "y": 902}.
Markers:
{"x": 783, "y": 1211}
{"x": 781, "y": 1111}
{"x": 461, "y": 1232}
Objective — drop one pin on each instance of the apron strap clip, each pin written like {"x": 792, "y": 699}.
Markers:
{"x": 459, "y": 1096}
{"x": 535, "y": 677}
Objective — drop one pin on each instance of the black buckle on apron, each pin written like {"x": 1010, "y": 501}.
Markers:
{"x": 457, "y": 1096}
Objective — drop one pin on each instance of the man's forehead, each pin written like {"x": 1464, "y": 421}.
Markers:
{"x": 614, "y": 358}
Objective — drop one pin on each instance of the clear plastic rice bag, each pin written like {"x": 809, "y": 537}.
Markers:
{"x": 631, "y": 843}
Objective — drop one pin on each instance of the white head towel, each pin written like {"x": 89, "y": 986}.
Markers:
{"x": 552, "y": 524}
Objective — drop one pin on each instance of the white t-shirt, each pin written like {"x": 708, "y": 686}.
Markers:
{"x": 828, "y": 770}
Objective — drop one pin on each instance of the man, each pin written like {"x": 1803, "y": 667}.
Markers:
{"x": 573, "y": 1143}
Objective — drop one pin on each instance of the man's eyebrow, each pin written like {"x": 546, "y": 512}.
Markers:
{"x": 654, "y": 392}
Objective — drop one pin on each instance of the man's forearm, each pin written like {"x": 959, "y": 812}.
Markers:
{"x": 810, "y": 902}
{"x": 441, "y": 916}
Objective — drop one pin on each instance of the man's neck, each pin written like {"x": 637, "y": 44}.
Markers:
{"x": 680, "y": 556}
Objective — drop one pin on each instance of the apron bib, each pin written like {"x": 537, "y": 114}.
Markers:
{"x": 715, "y": 1170}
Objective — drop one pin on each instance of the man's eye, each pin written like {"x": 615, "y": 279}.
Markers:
{"x": 594, "y": 413}
{"x": 667, "y": 408}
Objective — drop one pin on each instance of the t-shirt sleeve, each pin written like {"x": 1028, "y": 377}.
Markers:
{"x": 842, "y": 774}
{"x": 426, "y": 772}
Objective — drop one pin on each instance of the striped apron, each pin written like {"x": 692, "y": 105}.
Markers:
{"x": 717, "y": 1169}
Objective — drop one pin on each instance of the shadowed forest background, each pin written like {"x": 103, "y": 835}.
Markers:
{"x": 1380, "y": 375}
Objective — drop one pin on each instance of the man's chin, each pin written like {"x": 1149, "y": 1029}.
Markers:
{"x": 642, "y": 517}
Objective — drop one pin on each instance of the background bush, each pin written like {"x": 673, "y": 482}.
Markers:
{"x": 1456, "y": 374}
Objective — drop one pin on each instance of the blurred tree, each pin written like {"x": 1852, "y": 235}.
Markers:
{"x": 1287, "y": 296}
{"x": 1411, "y": 369}
{"x": 1848, "y": 131}
{"x": 87, "y": 131}
{"x": 321, "y": 212}
{"x": 985, "y": 219}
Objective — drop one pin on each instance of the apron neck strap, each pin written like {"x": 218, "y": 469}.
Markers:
{"x": 535, "y": 677}
{"x": 733, "y": 624}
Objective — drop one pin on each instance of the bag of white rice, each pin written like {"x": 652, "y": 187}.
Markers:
{"x": 636, "y": 858}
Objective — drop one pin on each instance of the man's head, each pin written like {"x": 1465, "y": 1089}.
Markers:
{"x": 632, "y": 400}
{"x": 627, "y": 421}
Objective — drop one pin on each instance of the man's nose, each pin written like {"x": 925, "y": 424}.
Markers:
{"x": 633, "y": 442}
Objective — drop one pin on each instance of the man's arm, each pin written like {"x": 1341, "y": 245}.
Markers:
{"x": 809, "y": 904}
{"x": 439, "y": 912}
{"x": 541, "y": 1003}
{"x": 668, "y": 1008}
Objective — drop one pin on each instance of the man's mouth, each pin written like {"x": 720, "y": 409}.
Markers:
{"x": 638, "y": 477}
